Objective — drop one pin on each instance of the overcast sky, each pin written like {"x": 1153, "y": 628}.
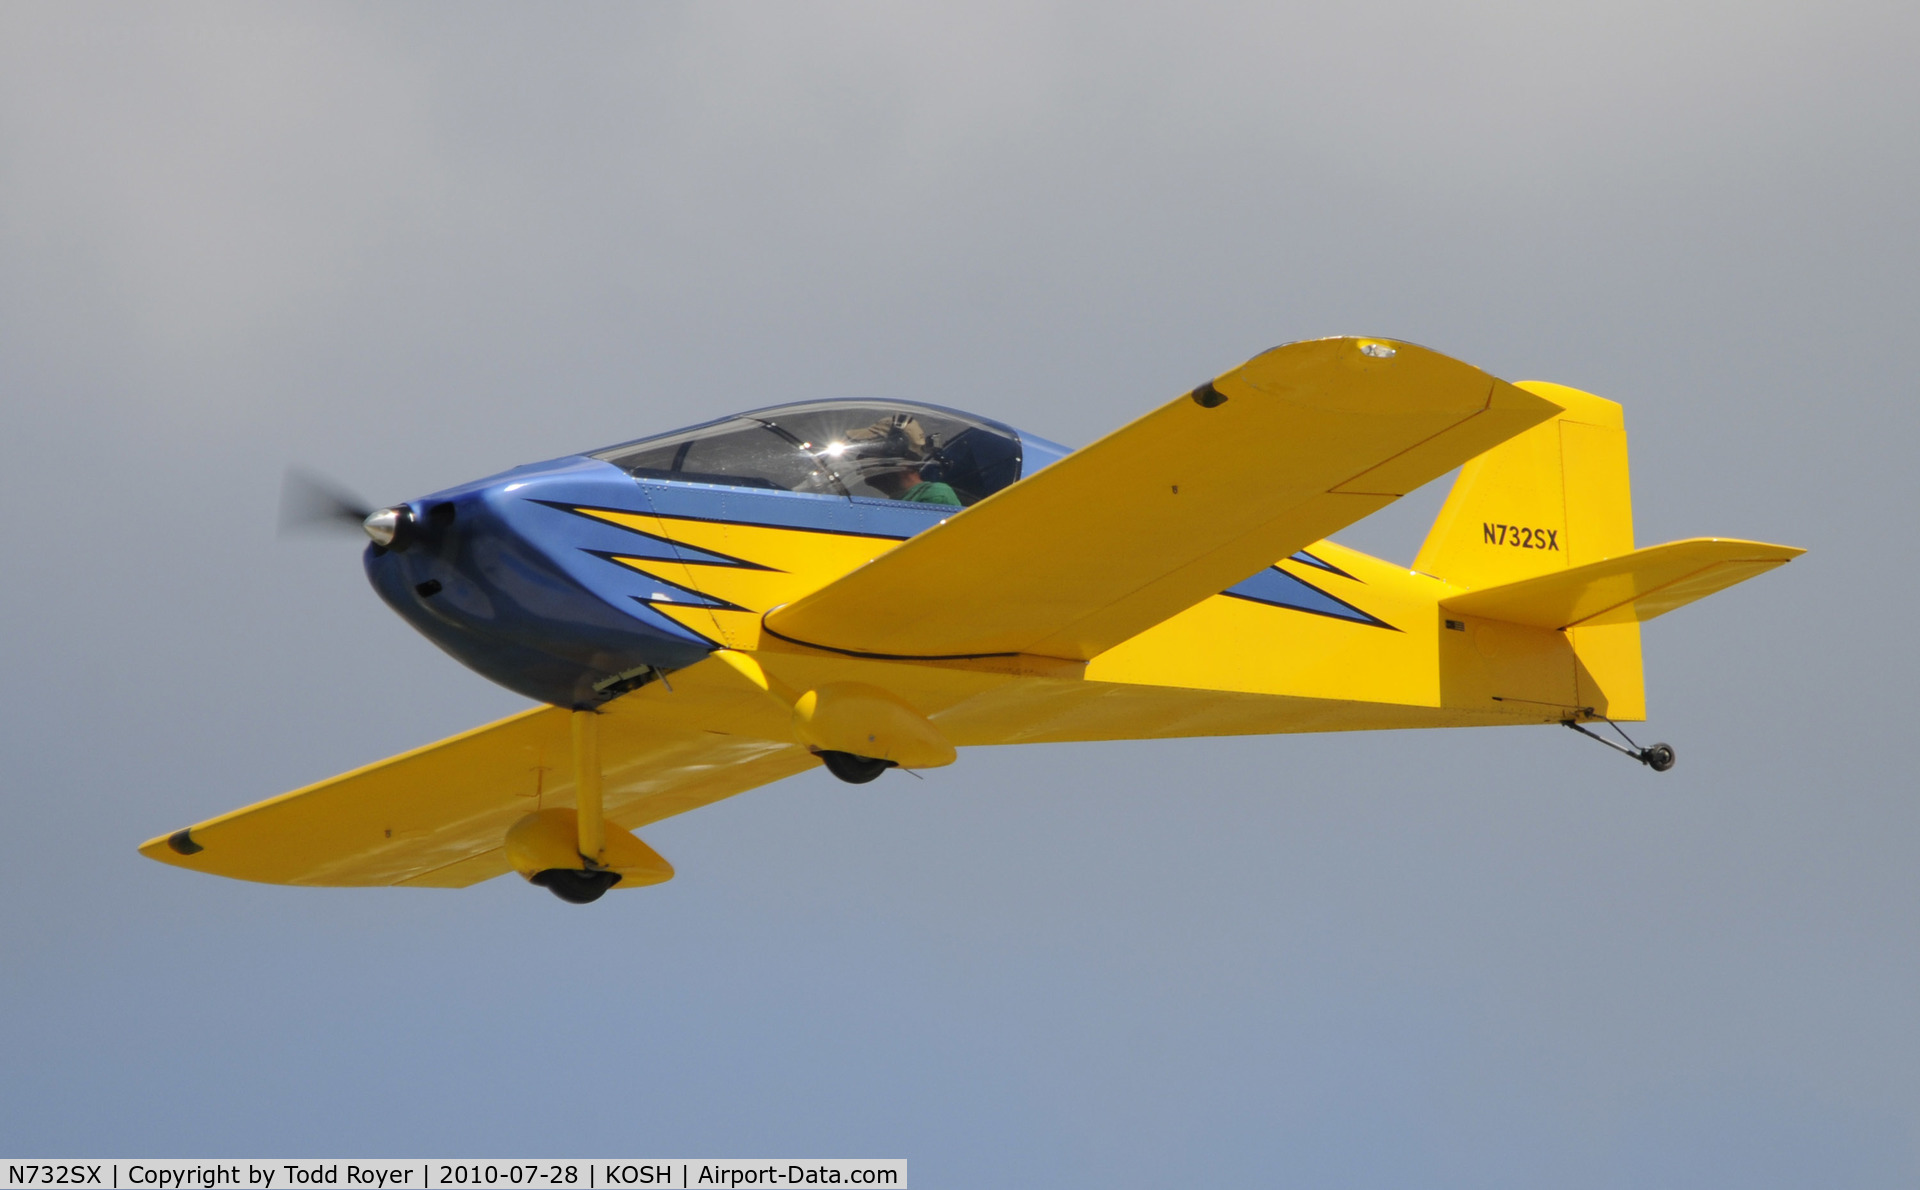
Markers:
{"x": 409, "y": 246}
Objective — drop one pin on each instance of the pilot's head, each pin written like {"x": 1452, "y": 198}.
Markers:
{"x": 891, "y": 452}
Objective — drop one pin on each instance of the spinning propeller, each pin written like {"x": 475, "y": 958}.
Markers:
{"x": 310, "y": 502}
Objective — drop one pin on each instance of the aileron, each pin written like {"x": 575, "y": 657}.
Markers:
{"x": 435, "y": 817}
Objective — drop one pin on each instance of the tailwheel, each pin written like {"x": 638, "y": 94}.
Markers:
{"x": 1658, "y": 757}
{"x": 574, "y": 885}
{"x": 855, "y": 770}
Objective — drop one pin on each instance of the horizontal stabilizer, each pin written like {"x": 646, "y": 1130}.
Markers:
{"x": 1172, "y": 508}
{"x": 1632, "y": 587}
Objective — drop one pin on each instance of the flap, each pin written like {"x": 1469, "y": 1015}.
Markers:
{"x": 437, "y": 816}
{"x": 1171, "y": 508}
{"x": 1636, "y": 586}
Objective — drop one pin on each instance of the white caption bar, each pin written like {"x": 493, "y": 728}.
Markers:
{"x": 448, "y": 1173}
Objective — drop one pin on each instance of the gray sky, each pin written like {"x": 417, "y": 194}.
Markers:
{"x": 414, "y": 245}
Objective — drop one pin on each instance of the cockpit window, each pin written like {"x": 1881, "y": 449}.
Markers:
{"x": 847, "y": 448}
{"x": 739, "y": 451}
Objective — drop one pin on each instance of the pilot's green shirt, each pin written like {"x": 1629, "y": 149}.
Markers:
{"x": 931, "y": 492}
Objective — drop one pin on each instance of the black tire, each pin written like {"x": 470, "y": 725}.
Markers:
{"x": 854, "y": 770}
{"x": 1659, "y": 758}
{"x": 574, "y": 886}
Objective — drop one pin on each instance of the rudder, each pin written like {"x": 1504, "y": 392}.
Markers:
{"x": 1551, "y": 498}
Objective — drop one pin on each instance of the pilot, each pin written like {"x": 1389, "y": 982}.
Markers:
{"x": 892, "y": 452}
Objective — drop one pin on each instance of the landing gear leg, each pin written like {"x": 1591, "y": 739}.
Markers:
{"x": 1658, "y": 757}
{"x": 586, "y": 786}
{"x": 586, "y": 883}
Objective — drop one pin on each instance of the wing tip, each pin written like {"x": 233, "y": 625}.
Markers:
{"x": 174, "y": 848}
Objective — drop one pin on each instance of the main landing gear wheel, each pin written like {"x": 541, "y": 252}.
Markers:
{"x": 854, "y": 770}
{"x": 1659, "y": 757}
{"x": 575, "y": 886}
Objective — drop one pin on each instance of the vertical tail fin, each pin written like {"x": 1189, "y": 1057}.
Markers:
{"x": 1554, "y": 497}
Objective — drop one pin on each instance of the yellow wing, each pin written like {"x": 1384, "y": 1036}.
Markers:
{"x": 436, "y": 816}
{"x": 1172, "y": 508}
{"x": 1632, "y": 587}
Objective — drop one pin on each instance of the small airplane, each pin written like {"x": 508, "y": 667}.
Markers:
{"x": 870, "y": 585}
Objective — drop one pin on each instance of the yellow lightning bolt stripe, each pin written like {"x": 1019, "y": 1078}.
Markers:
{"x": 755, "y": 590}
{"x": 796, "y": 561}
{"x": 732, "y": 629}
{"x": 805, "y": 553}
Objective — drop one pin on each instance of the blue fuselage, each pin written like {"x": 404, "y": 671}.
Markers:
{"x": 510, "y": 577}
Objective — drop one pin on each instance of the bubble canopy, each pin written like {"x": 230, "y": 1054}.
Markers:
{"x": 880, "y": 449}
